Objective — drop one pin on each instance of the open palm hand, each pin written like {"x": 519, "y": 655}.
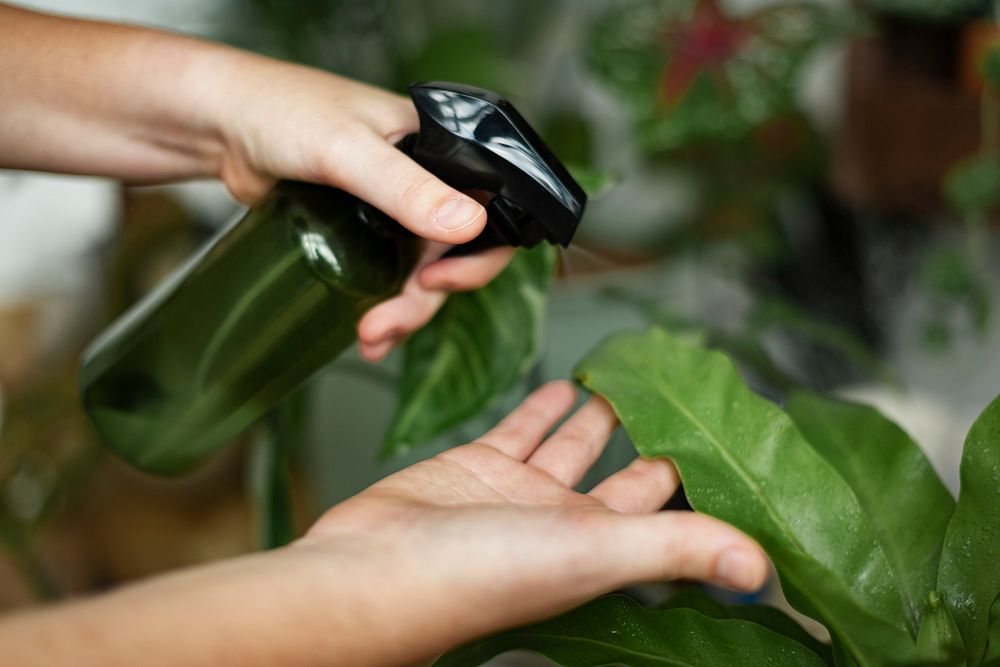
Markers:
{"x": 492, "y": 534}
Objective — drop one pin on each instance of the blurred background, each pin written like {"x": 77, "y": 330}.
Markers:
{"x": 810, "y": 186}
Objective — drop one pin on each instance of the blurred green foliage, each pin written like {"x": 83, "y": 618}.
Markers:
{"x": 956, "y": 289}
{"x": 990, "y": 66}
{"x": 690, "y": 73}
{"x": 938, "y": 11}
{"x": 972, "y": 187}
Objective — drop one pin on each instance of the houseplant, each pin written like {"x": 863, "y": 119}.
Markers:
{"x": 864, "y": 536}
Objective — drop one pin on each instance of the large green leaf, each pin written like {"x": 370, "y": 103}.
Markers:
{"x": 743, "y": 461}
{"x": 475, "y": 349}
{"x": 969, "y": 578}
{"x": 770, "y": 617}
{"x": 595, "y": 182}
{"x": 894, "y": 482}
{"x": 615, "y": 630}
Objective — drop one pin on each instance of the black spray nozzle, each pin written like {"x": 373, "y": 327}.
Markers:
{"x": 474, "y": 140}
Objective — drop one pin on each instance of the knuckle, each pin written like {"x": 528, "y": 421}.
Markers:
{"x": 416, "y": 187}
{"x": 683, "y": 553}
{"x": 674, "y": 562}
{"x": 461, "y": 283}
{"x": 577, "y": 435}
{"x": 341, "y": 139}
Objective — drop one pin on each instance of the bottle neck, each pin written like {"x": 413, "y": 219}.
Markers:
{"x": 344, "y": 246}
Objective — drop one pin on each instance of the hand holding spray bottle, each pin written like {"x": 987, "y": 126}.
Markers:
{"x": 278, "y": 294}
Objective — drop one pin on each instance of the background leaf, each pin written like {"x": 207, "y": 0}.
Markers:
{"x": 595, "y": 182}
{"x": 894, "y": 482}
{"x": 930, "y": 11}
{"x": 775, "y": 314}
{"x": 615, "y": 630}
{"x": 742, "y": 460}
{"x": 475, "y": 349}
{"x": 969, "y": 578}
{"x": 972, "y": 186}
{"x": 954, "y": 283}
{"x": 637, "y": 47}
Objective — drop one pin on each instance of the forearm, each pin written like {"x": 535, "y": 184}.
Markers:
{"x": 289, "y": 607}
{"x": 98, "y": 98}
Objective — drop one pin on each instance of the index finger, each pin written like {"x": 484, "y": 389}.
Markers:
{"x": 389, "y": 180}
{"x": 518, "y": 434}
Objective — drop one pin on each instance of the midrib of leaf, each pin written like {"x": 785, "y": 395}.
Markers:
{"x": 434, "y": 373}
{"x": 771, "y": 511}
{"x": 477, "y": 370}
{"x": 442, "y": 361}
{"x": 733, "y": 463}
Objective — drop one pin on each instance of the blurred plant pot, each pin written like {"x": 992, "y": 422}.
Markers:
{"x": 907, "y": 117}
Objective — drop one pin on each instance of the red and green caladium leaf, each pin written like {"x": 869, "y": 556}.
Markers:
{"x": 689, "y": 72}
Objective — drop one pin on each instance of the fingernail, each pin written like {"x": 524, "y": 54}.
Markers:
{"x": 457, "y": 213}
{"x": 737, "y": 569}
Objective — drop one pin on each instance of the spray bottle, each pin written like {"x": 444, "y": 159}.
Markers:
{"x": 278, "y": 293}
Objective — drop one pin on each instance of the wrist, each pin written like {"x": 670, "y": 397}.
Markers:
{"x": 244, "y": 103}
{"x": 209, "y": 101}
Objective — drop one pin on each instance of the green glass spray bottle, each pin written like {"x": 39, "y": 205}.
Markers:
{"x": 278, "y": 294}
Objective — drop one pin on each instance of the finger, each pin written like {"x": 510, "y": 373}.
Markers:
{"x": 456, "y": 274}
{"x": 571, "y": 450}
{"x": 519, "y": 433}
{"x": 394, "y": 319}
{"x": 681, "y": 545}
{"x": 376, "y": 352}
{"x": 645, "y": 485}
{"x": 369, "y": 167}
{"x": 390, "y": 322}
{"x": 245, "y": 185}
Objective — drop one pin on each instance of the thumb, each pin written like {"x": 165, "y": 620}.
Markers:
{"x": 390, "y": 181}
{"x": 684, "y": 545}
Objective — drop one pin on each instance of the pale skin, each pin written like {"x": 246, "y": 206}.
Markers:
{"x": 483, "y": 537}
{"x": 144, "y": 106}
